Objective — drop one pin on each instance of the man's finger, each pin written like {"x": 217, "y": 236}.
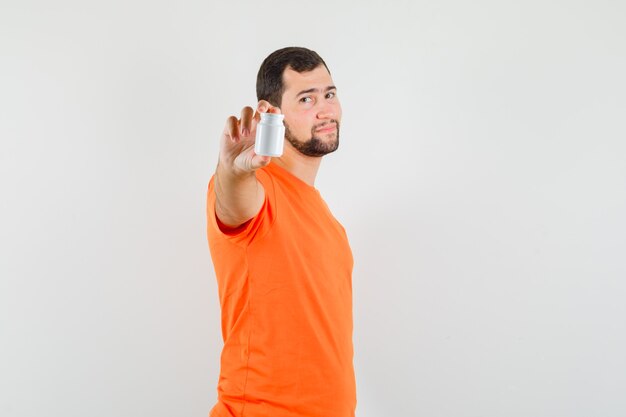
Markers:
{"x": 262, "y": 106}
{"x": 246, "y": 120}
{"x": 265, "y": 106}
{"x": 259, "y": 161}
{"x": 232, "y": 128}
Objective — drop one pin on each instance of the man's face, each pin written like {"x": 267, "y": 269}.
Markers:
{"x": 312, "y": 111}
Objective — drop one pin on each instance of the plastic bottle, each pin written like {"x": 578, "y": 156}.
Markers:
{"x": 270, "y": 135}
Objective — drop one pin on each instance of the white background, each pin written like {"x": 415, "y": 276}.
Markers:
{"x": 481, "y": 178}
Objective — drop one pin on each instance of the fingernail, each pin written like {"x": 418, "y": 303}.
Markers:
{"x": 245, "y": 132}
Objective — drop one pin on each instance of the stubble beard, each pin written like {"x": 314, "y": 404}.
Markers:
{"x": 314, "y": 146}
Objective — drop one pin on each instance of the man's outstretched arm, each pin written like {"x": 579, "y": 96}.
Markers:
{"x": 239, "y": 195}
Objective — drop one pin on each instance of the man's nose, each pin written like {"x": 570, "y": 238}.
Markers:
{"x": 326, "y": 112}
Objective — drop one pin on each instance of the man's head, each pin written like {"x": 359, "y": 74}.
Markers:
{"x": 298, "y": 81}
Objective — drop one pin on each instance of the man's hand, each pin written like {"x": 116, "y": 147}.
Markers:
{"x": 237, "y": 142}
{"x": 239, "y": 195}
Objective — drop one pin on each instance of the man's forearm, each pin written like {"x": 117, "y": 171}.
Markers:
{"x": 239, "y": 197}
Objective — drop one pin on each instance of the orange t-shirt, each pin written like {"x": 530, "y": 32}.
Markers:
{"x": 285, "y": 290}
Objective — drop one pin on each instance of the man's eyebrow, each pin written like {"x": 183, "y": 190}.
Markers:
{"x": 315, "y": 90}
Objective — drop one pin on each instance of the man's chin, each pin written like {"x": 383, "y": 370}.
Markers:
{"x": 315, "y": 147}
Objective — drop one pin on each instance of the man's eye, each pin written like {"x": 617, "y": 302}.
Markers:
{"x": 304, "y": 99}
{"x": 330, "y": 95}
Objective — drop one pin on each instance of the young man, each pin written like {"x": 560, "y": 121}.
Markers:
{"x": 282, "y": 261}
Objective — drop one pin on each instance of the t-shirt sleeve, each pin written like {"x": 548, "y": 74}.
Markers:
{"x": 254, "y": 228}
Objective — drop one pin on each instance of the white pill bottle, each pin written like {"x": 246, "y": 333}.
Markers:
{"x": 270, "y": 135}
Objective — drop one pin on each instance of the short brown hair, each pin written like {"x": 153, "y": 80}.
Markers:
{"x": 269, "y": 80}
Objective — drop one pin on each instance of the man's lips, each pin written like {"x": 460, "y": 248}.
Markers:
{"x": 327, "y": 129}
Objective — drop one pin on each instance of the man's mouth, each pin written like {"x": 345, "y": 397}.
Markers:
{"x": 327, "y": 129}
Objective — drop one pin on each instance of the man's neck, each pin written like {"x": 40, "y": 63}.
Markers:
{"x": 301, "y": 166}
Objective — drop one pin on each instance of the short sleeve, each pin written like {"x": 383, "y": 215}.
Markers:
{"x": 254, "y": 228}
